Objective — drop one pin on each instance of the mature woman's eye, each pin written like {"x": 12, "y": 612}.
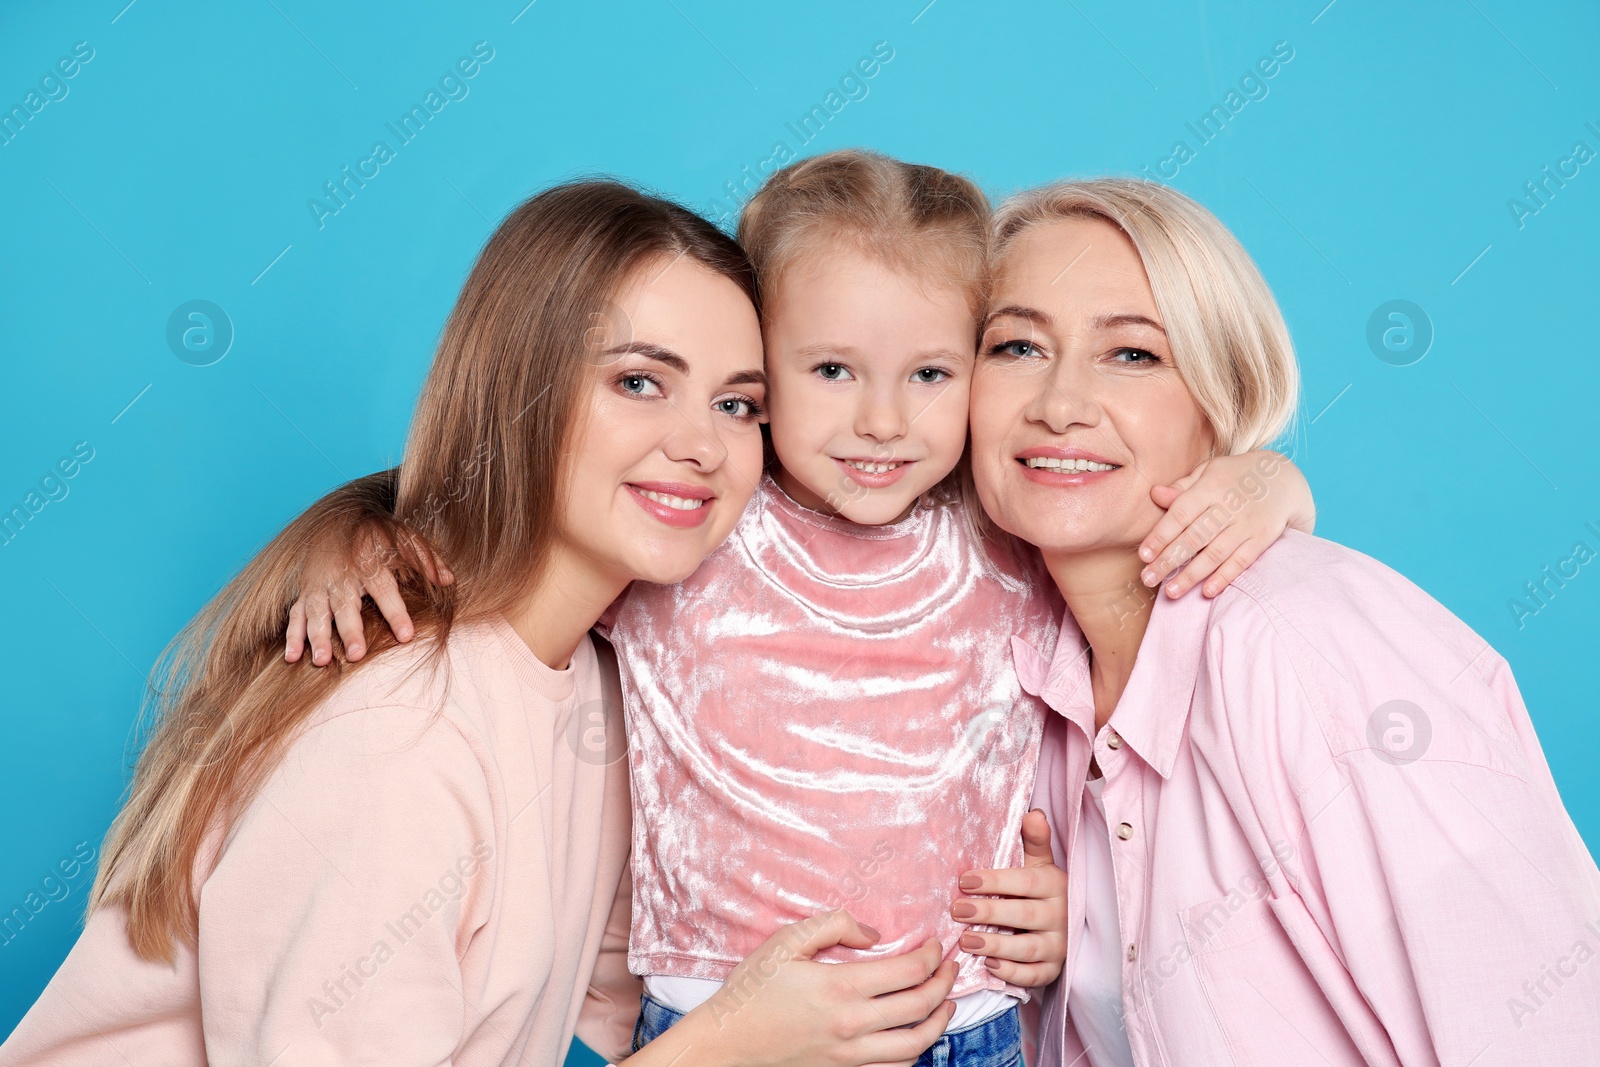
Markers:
{"x": 1018, "y": 349}
{"x": 1135, "y": 355}
{"x": 929, "y": 375}
{"x": 832, "y": 372}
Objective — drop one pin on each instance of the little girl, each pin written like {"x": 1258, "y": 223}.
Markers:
{"x": 821, "y": 716}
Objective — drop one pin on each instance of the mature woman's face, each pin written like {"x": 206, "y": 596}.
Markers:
{"x": 1077, "y": 407}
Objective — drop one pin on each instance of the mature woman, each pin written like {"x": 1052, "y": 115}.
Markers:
{"x": 1307, "y": 821}
{"x": 413, "y": 861}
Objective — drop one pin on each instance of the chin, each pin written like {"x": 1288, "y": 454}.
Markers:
{"x": 666, "y": 569}
{"x": 874, "y": 511}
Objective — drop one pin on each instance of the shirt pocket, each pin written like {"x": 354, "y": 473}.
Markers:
{"x": 1264, "y": 996}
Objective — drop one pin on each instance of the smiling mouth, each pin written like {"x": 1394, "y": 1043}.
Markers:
{"x": 1051, "y": 463}
{"x": 874, "y": 467}
{"x": 676, "y": 503}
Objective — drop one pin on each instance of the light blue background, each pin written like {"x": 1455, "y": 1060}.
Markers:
{"x": 1379, "y": 166}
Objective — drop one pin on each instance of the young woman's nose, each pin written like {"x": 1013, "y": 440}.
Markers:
{"x": 694, "y": 442}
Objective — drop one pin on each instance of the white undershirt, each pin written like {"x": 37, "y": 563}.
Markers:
{"x": 683, "y": 995}
{"x": 1094, "y": 998}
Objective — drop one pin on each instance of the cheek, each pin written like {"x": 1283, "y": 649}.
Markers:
{"x": 1168, "y": 434}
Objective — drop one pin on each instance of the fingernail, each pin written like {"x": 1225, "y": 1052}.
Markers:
{"x": 971, "y": 942}
{"x": 1173, "y": 590}
{"x": 963, "y": 911}
{"x": 869, "y": 931}
{"x": 991, "y": 963}
{"x": 970, "y": 882}
{"x": 1146, "y": 554}
{"x": 1211, "y": 590}
{"x": 1148, "y": 577}
{"x": 356, "y": 651}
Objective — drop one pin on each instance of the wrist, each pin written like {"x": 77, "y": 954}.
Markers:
{"x": 695, "y": 1033}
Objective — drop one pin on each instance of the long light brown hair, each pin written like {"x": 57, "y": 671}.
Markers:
{"x": 480, "y": 488}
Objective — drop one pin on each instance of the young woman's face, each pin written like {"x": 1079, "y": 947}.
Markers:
{"x": 1077, "y": 408}
{"x": 870, "y": 371}
{"x": 667, "y": 449}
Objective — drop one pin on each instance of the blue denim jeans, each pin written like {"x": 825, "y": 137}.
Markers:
{"x": 996, "y": 1043}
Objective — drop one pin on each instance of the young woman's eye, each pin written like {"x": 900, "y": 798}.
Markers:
{"x": 742, "y": 408}
{"x": 833, "y": 372}
{"x": 1134, "y": 356}
{"x": 1017, "y": 349}
{"x": 929, "y": 375}
{"x": 638, "y": 384}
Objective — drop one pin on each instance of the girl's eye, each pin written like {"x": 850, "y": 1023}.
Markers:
{"x": 929, "y": 375}
{"x": 739, "y": 407}
{"x": 832, "y": 372}
{"x": 639, "y": 384}
{"x": 1136, "y": 355}
{"x": 1018, "y": 349}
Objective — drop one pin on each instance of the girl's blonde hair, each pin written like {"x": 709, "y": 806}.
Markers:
{"x": 480, "y": 486}
{"x": 1228, "y": 337}
{"x": 918, "y": 219}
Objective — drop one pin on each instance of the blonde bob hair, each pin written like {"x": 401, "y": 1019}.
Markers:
{"x": 1229, "y": 340}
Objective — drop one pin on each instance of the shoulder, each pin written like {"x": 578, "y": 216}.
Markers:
{"x": 414, "y": 713}
{"x": 1344, "y": 608}
{"x": 1319, "y": 630}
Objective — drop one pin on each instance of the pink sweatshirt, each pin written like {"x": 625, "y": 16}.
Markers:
{"x": 408, "y": 888}
{"x": 1335, "y": 837}
{"x": 826, "y": 715}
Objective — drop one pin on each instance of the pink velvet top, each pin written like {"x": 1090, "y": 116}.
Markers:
{"x": 826, "y": 715}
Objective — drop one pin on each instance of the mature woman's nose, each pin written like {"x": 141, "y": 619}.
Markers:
{"x": 1064, "y": 398}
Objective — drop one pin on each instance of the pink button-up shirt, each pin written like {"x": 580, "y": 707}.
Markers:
{"x": 1335, "y": 836}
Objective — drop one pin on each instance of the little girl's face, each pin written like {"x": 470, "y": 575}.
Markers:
{"x": 869, "y": 370}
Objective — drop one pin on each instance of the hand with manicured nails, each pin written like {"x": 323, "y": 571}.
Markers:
{"x": 779, "y": 1008}
{"x": 1221, "y": 517}
{"x": 1031, "y": 900}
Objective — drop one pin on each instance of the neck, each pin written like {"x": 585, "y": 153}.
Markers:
{"x": 1112, "y": 608}
{"x": 568, "y": 600}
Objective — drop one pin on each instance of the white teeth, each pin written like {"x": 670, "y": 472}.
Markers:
{"x": 1051, "y": 463}
{"x": 871, "y": 468}
{"x": 677, "y": 503}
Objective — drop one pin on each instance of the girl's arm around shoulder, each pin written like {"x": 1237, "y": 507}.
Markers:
{"x": 335, "y": 917}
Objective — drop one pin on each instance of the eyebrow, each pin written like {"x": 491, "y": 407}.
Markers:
{"x": 828, "y": 348}
{"x": 1100, "y": 322}
{"x": 1016, "y": 311}
{"x": 1126, "y": 319}
{"x": 664, "y": 355}
{"x": 659, "y": 353}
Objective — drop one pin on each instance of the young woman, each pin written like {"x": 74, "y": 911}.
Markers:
{"x": 413, "y": 861}
{"x": 1307, "y": 821}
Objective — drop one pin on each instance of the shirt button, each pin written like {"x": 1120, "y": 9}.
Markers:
{"x": 1124, "y": 830}
{"x": 1133, "y": 950}
{"x": 1113, "y": 741}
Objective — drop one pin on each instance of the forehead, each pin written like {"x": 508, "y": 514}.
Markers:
{"x": 848, "y": 291}
{"x": 1073, "y": 266}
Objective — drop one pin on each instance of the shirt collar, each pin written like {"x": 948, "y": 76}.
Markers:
{"x": 1154, "y": 709}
